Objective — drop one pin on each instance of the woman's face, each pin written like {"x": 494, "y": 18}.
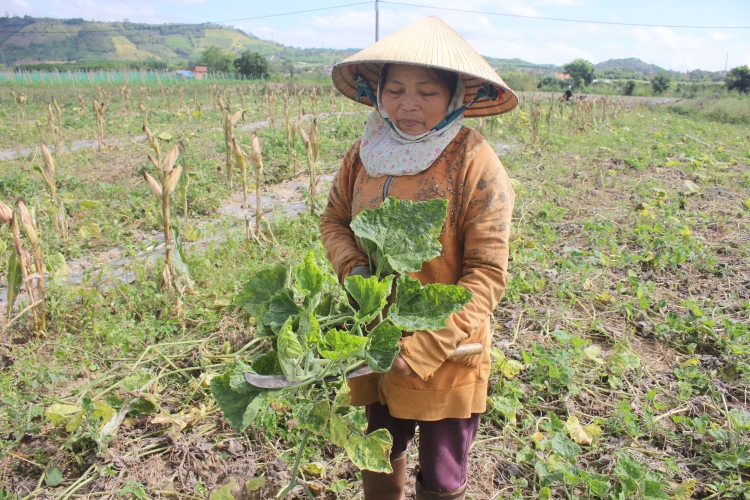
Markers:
{"x": 414, "y": 99}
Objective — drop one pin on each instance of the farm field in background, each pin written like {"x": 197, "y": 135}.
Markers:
{"x": 621, "y": 346}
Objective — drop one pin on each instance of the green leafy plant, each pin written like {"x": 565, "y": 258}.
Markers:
{"x": 317, "y": 331}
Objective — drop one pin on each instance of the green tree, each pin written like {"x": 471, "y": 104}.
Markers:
{"x": 581, "y": 71}
{"x": 251, "y": 65}
{"x": 739, "y": 79}
{"x": 289, "y": 66}
{"x": 216, "y": 59}
{"x": 629, "y": 88}
{"x": 660, "y": 82}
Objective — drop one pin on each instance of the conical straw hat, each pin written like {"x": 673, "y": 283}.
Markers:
{"x": 427, "y": 42}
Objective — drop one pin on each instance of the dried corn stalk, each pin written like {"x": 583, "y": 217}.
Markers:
{"x": 230, "y": 120}
{"x": 48, "y": 174}
{"x": 312, "y": 148}
{"x": 51, "y": 123}
{"x": 18, "y": 268}
{"x": 99, "y": 116}
{"x": 22, "y": 105}
{"x": 162, "y": 189}
{"x": 28, "y": 223}
{"x": 58, "y": 112}
{"x": 258, "y": 162}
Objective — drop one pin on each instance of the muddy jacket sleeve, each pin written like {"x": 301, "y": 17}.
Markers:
{"x": 485, "y": 211}
{"x": 338, "y": 238}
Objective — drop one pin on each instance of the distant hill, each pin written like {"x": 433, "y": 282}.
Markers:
{"x": 631, "y": 64}
{"x": 29, "y": 40}
{"x": 518, "y": 64}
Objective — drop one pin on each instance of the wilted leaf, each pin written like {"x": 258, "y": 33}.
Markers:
{"x": 685, "y": 490}
{"x": 5, "y": 213}
{"x": 691, "y": 186}
{"x": 89, "y": 230}
{"x": 88, "y": 204}
{"x": 59, "y": 413}
{"x": 383, "y": 347}
{"x": 103, "y": 412}
{"x": 255, "y": 484}
{"x": 312, "y": 415}
{"x": 165, "y": 136}
{"x": 402, "y": 232}
{"x": 27, "y": 222}
{"x": 371, "y": 452}
{"x": 225, "y": 492}
{"x": 592, "y": 352}
{"x": 172, "y": 179}
{"x": 506, "y": 406}
{"x": 427, "y": 307}
{"x": 580, "y": 434}
{"x": 168, "y": 161}
{"x": 339, "y": 430}
{"x": 604, "y": 298}
{"x": 341, "y": 345}
{"x": 371, "y": 295}
{"x": 309, "y": 277}
{"x": 236, "y": 407}
{"x": 281, "y": 308}
{"x": 53, "y": 476}
{"x": 508, "y": 367}
{"x": 260, "y": 288}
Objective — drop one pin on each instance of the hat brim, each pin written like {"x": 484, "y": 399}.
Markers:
{"x": 343, "y": 79}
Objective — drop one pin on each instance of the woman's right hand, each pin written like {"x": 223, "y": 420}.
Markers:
{"x": 401, "y": 367}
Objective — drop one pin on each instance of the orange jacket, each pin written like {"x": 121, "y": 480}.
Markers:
{"x": 475, "y": 255}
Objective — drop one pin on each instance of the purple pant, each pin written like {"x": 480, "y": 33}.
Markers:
{"x": 443, "y": 444}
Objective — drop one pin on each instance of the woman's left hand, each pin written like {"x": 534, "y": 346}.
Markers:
{"x": 401, "y": 367}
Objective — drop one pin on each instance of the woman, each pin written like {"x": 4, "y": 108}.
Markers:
{"x": 414, "y": 147}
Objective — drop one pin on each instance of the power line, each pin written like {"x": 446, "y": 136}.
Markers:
{"x": 568, "y": 20}
{"x": 177, "y": 25}
{"x": 539, "y": 18}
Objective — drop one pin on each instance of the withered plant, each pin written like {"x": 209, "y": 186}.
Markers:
{"x": 48, "y": 174}
{"x": 312, "y": 148}
{"x": 99, "y": 116}
{"x": 19, "y": 272}
{"x": 175, "y": 276}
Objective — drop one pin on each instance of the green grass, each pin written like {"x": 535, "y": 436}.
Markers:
{"x": 627, "y": 308}
{"x": 734, "y": 109}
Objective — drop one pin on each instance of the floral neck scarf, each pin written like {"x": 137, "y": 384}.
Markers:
{"x": 386, "y": 150}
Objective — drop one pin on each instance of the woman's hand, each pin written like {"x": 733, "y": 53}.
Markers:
{"x": 401, "y": 367}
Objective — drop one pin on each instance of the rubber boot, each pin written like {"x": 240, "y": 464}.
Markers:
{"x": 423, "y": 494}
{"x": 381, "y": 486}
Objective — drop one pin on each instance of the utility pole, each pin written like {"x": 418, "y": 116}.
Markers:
{"x": 377, "y": 20}
{"x": 726, "y": 64}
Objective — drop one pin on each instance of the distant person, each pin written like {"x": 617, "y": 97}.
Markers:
{"x": 568, "y": 95}
{"x": 421, "y": 81}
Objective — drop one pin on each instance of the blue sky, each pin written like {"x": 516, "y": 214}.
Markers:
{"x": 533, "y": 40}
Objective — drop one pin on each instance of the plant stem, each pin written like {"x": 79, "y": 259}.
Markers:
{"x": 295, "y": 469}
